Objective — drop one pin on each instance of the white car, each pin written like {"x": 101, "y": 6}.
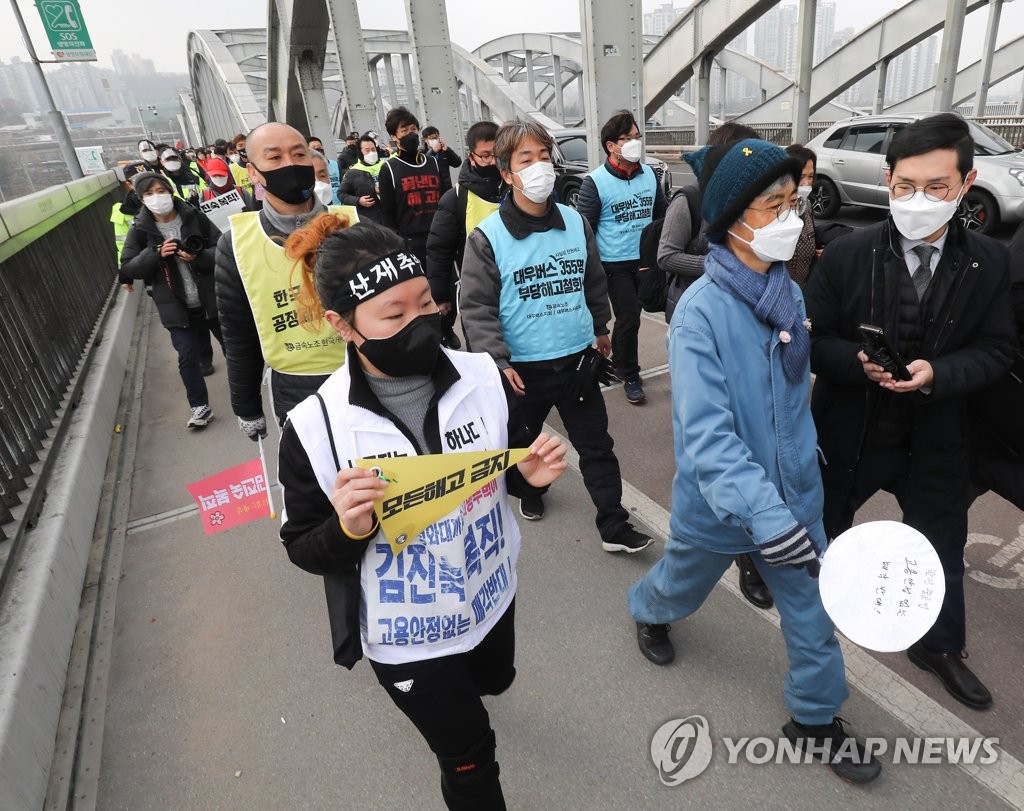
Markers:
{"x": 851, "y": 170}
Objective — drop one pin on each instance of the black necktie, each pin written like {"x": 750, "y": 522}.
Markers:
{"x": 923, "y": 275}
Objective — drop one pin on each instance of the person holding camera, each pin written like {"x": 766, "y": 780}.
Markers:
{"x": 171, "y": 247}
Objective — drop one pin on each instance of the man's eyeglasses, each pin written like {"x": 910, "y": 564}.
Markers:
{"x": 484, "y": 156}
{"x": 784, "y": 209}
{"x": 936, "y": 192}
{"x": 636, "y": 137}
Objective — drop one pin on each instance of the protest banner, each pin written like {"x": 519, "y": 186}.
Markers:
{"x": 232, "y": 497}
{"x": 220, "y": 208}
{"x": 422, "y": 489}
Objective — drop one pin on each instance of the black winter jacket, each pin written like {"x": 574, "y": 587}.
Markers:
{"x": 241, "y": 342}
{"x": 969, "y": 345}
{"x": 356, "y": 184}
{"x": 447, "y": 241}
{"x": 140, "y": 260}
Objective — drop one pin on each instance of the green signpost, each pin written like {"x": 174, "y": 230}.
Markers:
{"x": 69, "y": 38}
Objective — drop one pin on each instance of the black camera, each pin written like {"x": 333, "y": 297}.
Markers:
{"x": 193, "y": 244}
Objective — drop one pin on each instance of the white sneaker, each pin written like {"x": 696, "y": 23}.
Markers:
{"x": 201, "y": 416}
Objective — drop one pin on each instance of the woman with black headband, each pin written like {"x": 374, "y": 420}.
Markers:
{"x": 435, "y": 645}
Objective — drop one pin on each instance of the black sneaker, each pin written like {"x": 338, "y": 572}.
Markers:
{"x": 531, "y": 508}
{"x": 200, "y": 417}
{"x": 846, "y": 755}
{"x": 654, "y": 643}
{"x": 206, "y": 367}
{"x": 628, "y": 540}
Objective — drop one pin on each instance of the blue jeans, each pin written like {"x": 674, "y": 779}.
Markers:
{"x": 677, "y": 585}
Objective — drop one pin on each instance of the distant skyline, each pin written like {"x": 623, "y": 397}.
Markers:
{"x": 124, "y": 25}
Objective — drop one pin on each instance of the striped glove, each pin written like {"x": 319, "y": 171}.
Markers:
{"x": 794, "y": 548}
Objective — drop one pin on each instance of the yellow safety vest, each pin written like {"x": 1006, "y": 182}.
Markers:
{"x": 241, "y": 176}
{"x": 477, "y": 210}
{"x": 271, "y": 284}
{"x": 122, "y": 225}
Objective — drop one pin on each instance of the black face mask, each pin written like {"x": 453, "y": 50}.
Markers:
{"x": 410, "y": 142}
{"x": 412, "y": 350}
{"x": 490, "y": 172}
{"x": 292, "y": 184}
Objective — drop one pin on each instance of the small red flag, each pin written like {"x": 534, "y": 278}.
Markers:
{"x": 232, "y": 497}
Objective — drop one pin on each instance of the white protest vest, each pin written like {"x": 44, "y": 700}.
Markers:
{"x": 445, "y": 591}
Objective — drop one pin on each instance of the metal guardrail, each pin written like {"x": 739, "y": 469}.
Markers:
{"x": 1009, "y": 127}
{"x": 57, "y": 277}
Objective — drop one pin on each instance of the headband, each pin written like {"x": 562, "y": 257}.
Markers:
{"x": 374, "y": 279}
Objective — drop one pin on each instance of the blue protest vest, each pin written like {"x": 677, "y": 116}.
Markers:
{"x": 543, "y": 306}
{"x": 627, "y": 206}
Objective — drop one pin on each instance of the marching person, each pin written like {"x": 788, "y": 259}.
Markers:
{"x": 619, "y": 198}
{"x": 747, "y": 477}
{"x": 941, "y": 294}
{"x": 222, "y": 182}
{"x": 359, "y": 187}
{"x": 461, "y": 210}
{"x": 535, "y": 298}
{"x": 171, "y": 248}
{"x": 435, "y": 644}
{"x": 255, "y": 290}
{"x": 187, "y": 184}
{"x": 446, "y": 158}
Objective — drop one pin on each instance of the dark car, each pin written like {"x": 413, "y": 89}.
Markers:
{"x": 570, "y": 159}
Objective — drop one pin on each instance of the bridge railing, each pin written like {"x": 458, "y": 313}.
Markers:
{"x": 1009, "y": 127}
{"x": 57, "y": 277}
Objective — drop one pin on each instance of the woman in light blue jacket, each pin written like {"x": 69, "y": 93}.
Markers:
{"x": 747, "y": 478}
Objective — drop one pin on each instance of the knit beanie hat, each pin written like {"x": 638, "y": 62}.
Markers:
{"x": 732, "y": 175}
{"x": 143, "y": 180}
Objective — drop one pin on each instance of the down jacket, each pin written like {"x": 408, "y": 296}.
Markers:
{"x": 140, "y": 260}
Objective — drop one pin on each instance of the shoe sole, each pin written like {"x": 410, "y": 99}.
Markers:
{"x": 198, "y": 426}
{"x": 920, "y": 663}
{"x": 635, "y": 401}
{"x": 618, "y": 547}
{"x": 530, "y": 517}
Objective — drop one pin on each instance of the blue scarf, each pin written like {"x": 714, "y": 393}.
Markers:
{"x": 770, "y": 295}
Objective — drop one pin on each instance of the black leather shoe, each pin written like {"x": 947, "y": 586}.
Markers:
{"x": 751, "y": 584}
{"x": 829, "y": 743}
{"x": 654, "y": 643}
{"x": 955, "y": 676}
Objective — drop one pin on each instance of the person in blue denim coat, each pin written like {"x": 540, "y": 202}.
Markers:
{"x": 747, "y": 478}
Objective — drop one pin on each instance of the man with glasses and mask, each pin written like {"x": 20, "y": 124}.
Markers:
{"x": 619, "y": 199}
{"x": 256, "y": 290}
{"x": 461, "y": 210}
{"x": 535, "y": 298}
{"x": 941, "y": 295}
{"x": 747, "y": 476}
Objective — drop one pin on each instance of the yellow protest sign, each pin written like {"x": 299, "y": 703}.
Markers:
{"x": 422, "y": 489}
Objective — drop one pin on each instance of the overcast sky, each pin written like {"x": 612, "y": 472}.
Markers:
{"x": 124, "y": 24}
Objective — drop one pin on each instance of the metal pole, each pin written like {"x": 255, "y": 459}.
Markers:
{"x": 1020, "y": 104}
{"x": 805, "y": 61}
{"x": 721, "y": 92}
{"x": 995, "y": 9}
{"x": 952, "y": 37}
{"x": 702, "y": 125}
{"x": 60, "y": 130}
{"x": 556, "y": 70}
{"x": 883, "y": 76}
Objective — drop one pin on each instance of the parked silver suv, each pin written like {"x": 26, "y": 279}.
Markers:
{"x": 851, "y": 170}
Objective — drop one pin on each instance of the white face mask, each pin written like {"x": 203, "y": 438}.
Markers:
{"x": 804, "y": 191}
{"x": 919, "y": 217}
{"x": 633, "y": 150}
{"x": 538, "y": 180}
{"x": 776, "y": 242}
{"x": 433, "y": 143}
{"x": 234, "y": 158}
{"x": 159, "y": 203}
{"x": 324, "y": 192}
{"x": 172, "y": 166}
{"x": 220, "y": 181}
{"x": 370, "y": 158}
{"x": 148, "y": 155}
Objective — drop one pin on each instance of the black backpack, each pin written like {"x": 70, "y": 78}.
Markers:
{"x": 652, "y": 281}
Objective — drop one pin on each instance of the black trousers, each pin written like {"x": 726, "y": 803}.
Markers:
{"x": 622, "y": 288}
{"x": 586, "y": 422}
{"x": 442, "y": 698}
{"x": 192, "y": 343}
{"x": 935, "y": 504}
